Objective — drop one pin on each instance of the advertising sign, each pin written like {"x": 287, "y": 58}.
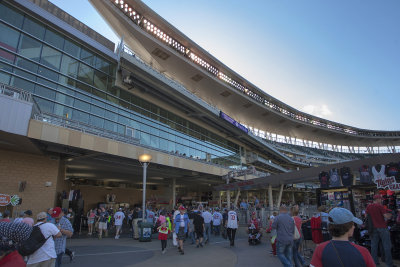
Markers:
{"x": 7, "y": 199}
{"x": 387, "y": 183}
{"x": 232, "y": 121}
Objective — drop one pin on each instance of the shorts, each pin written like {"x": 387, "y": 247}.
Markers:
{"x": 103, "y": 225}
{"x": 199, "y": 234}
{"x": 181, "y": 233}
{"x": 90, "y": 221}
{"x": 118, "y": 227}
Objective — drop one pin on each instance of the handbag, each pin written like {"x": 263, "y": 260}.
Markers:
{"x": 296, "y": 234}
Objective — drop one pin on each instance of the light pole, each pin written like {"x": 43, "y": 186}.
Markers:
{"x": 144, "y": 159}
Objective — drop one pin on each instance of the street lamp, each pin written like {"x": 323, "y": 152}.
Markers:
{"x": 144, "y": 159}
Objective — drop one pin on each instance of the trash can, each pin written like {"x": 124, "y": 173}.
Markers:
{"x": 145, "y": 231}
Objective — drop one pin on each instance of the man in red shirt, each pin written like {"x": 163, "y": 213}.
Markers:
{"x": 379, "y": 214}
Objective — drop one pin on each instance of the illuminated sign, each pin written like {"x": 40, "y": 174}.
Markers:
{"x": 233, "y": 122}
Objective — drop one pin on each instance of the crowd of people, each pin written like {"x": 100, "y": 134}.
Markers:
{"x": 24, "y": 242}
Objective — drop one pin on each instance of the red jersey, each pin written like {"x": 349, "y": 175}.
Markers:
{"x": 163, "y": 233}
{"x": 376, "y": 211}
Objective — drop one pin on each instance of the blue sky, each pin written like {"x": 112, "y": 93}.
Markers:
{"x": 336, "y": 59}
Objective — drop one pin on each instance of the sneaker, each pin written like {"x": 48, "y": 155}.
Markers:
{"x": 197, "y": 246}
{"x": 163, "y": 252}
{"x": 182, "y": 252}
{"x": 72, "y": 256}
{"x": 201, "y": 245}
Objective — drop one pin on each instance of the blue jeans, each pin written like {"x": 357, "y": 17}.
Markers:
{"x": 384, "y": 235}
{"x": 207, "y": 231}
{"x": 59, "y": 259}
{"x": 297, "y": 258}
{"x": 192, "y": 237}
{"x": 285, "y": 253}
{"x": 216, "y": 229}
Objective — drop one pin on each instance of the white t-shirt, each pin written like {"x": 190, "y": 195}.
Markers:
{"x": 47, "y": 251}
{"x": 119, "y": 217}
{"x": 217, "y": 217}
{"x": 232, "y": 220}
{"x": 175, "y": 213}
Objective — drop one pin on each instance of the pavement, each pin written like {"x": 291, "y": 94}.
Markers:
{"x": 126, "y": 252}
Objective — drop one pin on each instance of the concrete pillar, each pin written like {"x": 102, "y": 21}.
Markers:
{"x": 173, "y": 192}
{"x": 271, "y": 201}
{"x": 228, "y": 196}
{"x": 280, "y": 196}
{"x": 293, "y": 198}
{"x": 237, "y": 198}
{"x": 220, "y": 200}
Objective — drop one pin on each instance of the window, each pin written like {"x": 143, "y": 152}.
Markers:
{"x": 80, "y": 116}
{"x": 63, "y": 111}
{"x": 100, "y": 80}
{"x": 69, "y": 66}
{"x": 130, "y": 132}
{"x": 72, "y": 48}
{"x": 45, "y": 92}
{"x": 22, "y": 84}
{"x": 64, "y": 99}
{"x": 85, "y": 73}
{"x": 44, "y": 105}
{"x": 25, "y": 64}
{"x": 67, "y": 81}
{"x": 33, "y": 27}
{"x": 96, "y": 121}
{"x": 8, "y": 40}
{"x": 11, "y": 15}
{"x": 54, "y": 39}
{"x": 4, "y": 77}
{"x": 48, "y": 73}
{"x": 29, "y": 47}
{"x": 51, "y": 57}
{"x": 82, "y": 105}
{"x": 87, "y": 56}
{"x": 5, "y": 67}
{"x": 101, "y": 64}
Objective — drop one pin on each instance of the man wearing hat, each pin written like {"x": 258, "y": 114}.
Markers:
{"x": 340, "y": 251}
{"x": 379, "y": 214}
{"x": 28, "y": 218}
{"x": 65, "y": 227}
{"x": 181, "y": 227}
{"x": 46, "y": 254}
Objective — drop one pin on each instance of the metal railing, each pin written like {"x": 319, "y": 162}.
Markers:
{"x": 15, "y": 92}
{"x": 84, "y": 128}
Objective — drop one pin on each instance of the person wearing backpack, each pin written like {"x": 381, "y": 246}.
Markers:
{"x": 46, "y": 255}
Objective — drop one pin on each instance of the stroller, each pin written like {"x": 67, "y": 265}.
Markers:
{"x": 254, "y": 235}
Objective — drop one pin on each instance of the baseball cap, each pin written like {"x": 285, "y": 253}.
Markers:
{"x": 41, "y": 215}
{"x": 56, "y": 212}
{"x": 377, "y": 197}
{"x": 181, "y": 208}
{"x": 28, "y": 212}
{"x": 342, "y": 216}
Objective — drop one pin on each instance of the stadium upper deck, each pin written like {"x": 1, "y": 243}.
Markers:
{"x": 168, "y": 50}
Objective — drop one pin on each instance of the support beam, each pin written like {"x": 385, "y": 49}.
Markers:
{"x": 228, "y": 196}
{"x": 270, "y": 199}
{"x": 173, "y": 192}
{"x": 280, "y": 196}
{"x": 237, "y": 198}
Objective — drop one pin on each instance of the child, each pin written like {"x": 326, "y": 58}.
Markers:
{"x": 163, "y": 232}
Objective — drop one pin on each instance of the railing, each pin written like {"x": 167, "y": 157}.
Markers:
{"x": 84, "y": 128}
{"x": 15, "y": 92}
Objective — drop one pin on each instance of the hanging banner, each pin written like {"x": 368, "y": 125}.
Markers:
{"x": 7, "y": 199}
{"x": 390, "y": 183}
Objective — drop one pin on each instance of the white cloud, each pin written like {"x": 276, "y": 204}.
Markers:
{"x": 318, "y": 110}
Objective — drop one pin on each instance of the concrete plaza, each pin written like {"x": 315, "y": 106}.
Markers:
{"x": 128, "y": 252}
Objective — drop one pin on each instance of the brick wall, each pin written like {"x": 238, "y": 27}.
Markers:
{"x": 36, "y": 170}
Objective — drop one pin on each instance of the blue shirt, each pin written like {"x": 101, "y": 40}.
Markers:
{"x": 284, "y": 225}
{"x": 178, "y": 220}
{"x": 60, "y": 243}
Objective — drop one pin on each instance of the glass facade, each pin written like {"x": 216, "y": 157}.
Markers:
{"x": 70, "y": 80}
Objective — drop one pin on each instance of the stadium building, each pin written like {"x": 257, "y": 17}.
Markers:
{"x": 77, "y": 111}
